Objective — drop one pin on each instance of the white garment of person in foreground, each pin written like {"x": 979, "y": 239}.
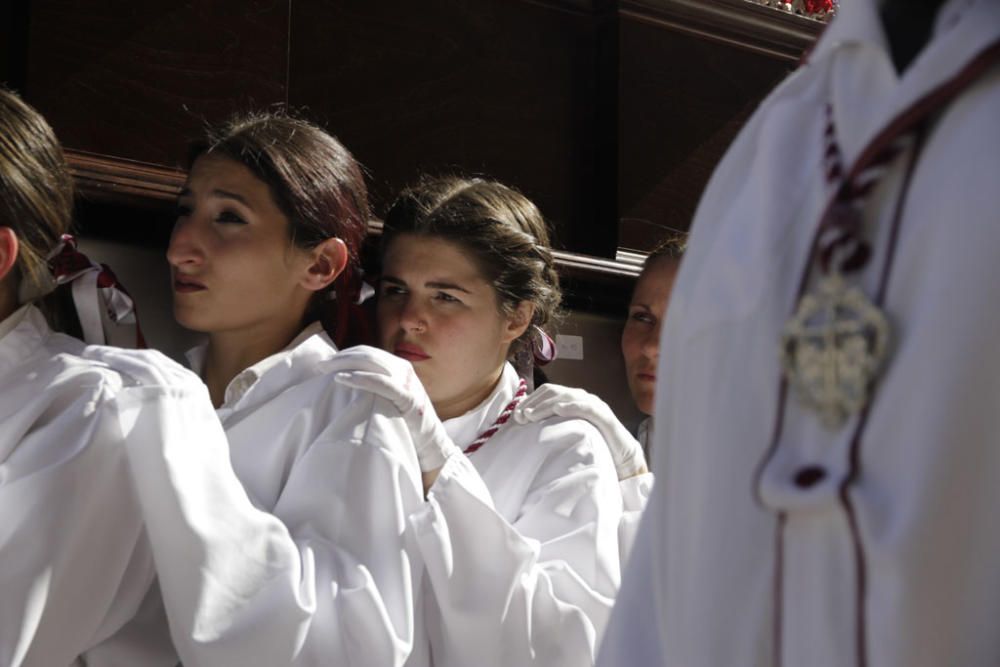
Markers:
{"x": 523, "y": 569}
{"x": 818, "y": 553}
{"x": 75, "y": 566}
{"x": 286, "y": 546}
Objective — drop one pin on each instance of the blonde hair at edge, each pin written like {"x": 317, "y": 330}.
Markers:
{"x": 36, "y": 190}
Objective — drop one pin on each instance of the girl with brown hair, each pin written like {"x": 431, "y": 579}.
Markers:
{"x": 519, "y": 533}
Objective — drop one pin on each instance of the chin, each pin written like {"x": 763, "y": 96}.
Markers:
{"x": 190, "y": 321}
{"x": 644, "y": 402}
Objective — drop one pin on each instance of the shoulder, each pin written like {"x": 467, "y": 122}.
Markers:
{"x": 140, "y": 368}
{"x": 566, "y": 443}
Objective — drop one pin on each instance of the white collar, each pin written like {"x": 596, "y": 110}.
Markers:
{"x": 311, "y": 345}
{"x": 860, "y": 22}
{"x": 963, "y": 29}
{"x": 20, "y": 333}
{"x": 466, "y": 428}
{"x": 11, "y": 321}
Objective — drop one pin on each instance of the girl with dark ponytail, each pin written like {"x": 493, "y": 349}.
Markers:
{"x": 286, "y": 547}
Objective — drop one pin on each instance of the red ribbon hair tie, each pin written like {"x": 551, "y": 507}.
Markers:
{"x": 105, "y": 309}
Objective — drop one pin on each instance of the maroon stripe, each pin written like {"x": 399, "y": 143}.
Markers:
{"x": 933, "y": 100}
{"x": 502, "y": 418}
{"x": 856, "y": 440}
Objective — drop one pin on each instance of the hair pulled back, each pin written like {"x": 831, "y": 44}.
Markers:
{"x": 503, "y": 232}
{"x": 319, "y": 187}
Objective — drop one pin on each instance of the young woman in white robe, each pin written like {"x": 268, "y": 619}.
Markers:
{"x": 287, "y": 547}
{"x": 523, "y": 569}
{"x": 75, "y": 566}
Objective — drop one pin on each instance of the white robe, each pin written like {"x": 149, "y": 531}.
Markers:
{"x": 523, "y": 564}
{"x": 287, "y": 546}
{"x": 635, "y": 495}
{"x": 735, "y": 564}
{"x": 75, "y": 565}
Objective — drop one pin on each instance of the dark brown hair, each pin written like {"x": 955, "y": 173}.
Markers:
{"x": 503, "y": 232}
{"x": 320, "y": 188}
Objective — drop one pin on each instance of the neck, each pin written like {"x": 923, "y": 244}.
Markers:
{"x": 7, "y": 308}
{"x": 8, "y": 297}
{"x": 908, "y": 26}
{"x": 231, "y": 352}
{"x": 457, "y": 406}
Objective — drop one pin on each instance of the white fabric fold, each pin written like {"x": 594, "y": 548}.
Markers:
{"x": 286, "y": 545}
{"x": 520, "y": 542}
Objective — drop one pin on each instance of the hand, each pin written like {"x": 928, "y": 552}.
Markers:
{"x": 145, "y": 368}
{"x": 553, "y": 400}
{"x": 397, "y": 383}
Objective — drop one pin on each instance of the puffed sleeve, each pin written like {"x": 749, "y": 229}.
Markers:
{"x": 535, "y": 591}
{"x": 327, "y": 583}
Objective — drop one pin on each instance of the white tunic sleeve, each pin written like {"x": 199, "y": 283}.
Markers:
{"x": 635, "y": 495}
{"x": 327, "y": 583}
{"x": 536, "y": 590}
{"x": 75, "y": 566}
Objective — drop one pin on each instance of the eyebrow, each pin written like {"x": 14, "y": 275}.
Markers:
{"x": 223, "y": 194}
{"x": 434, "y": 284}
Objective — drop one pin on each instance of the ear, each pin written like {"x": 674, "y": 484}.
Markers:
{"x": 327, "y": 261}
{"x": 8, "y": 274}
{"x": 8, "y": 251}
{"x": 518, "y": 321}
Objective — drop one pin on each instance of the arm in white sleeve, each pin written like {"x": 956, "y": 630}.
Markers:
{"x": 553, "y": 400}
{"x": 327, "y": 583}
{"x": 74, "y": 564}
{"x": 635, "y": 495}
{"x": 535, "y": 591}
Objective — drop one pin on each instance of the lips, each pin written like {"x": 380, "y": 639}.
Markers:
{"x": 410, "y": 352}
{"x": 646, "y": 377}
{"x": 187, "y": 285}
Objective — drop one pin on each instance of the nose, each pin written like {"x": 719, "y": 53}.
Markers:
{"x": 413, "y": 316}
{"x": 651, "y": 342}
{"x": 185, "y": 247}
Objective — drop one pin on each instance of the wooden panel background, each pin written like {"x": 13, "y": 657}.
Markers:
{"x": 610, "y": 114}
{"x": 13, "y": 42}
{"x": 514, "y": 90}
{"x": 682, "y": 101}
{"x": 136, "y": 80}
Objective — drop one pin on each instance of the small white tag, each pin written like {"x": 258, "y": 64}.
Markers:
{"x": 569, "y": 347}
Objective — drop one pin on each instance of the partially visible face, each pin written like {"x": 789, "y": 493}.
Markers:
{"x": 641, "y": 337}
{"x": 232, "y": 264}
{"x": 438, "y": 311}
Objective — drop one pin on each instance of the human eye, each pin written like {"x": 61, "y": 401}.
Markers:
{"x": 447, "y": 298}
{"x": 392, "y": 289}
{"x": 229, "y": 217}
{"x": 641, "y": 316}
